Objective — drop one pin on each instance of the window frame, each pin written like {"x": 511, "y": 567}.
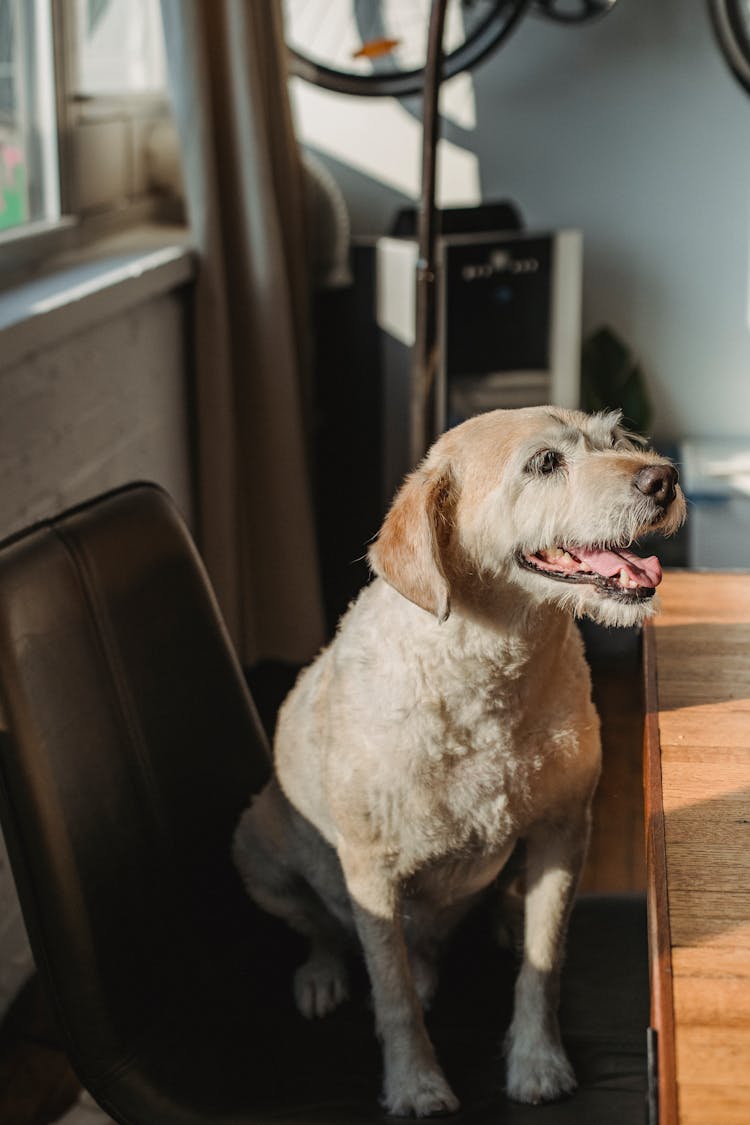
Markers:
{"x": 88, "y": 126}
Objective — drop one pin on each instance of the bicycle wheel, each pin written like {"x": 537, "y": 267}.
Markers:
{"x": 731, "y": 24}
{"x": 378, "y": 47}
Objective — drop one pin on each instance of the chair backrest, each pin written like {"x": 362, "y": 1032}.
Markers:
{"x": 129, "y": 747}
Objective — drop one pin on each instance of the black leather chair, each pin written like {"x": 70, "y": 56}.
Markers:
{"x": 129, "y": 747}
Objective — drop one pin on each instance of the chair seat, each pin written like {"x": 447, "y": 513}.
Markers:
{"x": 233, "y": 1049}
{"x": 130, "y": 748}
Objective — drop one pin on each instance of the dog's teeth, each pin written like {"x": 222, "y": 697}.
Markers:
{"x": 555, "y": 554}
{"x": 566, "y": 558}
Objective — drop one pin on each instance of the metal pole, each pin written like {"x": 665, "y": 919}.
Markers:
{"x": 425, "y": 365}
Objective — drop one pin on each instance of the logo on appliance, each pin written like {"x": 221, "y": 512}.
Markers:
{"x": 499, "y": 261}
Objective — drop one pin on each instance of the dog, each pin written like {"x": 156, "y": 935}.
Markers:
{"x": 451, "y": 718}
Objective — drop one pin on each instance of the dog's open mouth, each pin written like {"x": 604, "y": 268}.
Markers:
{"x": 616, "y": 571}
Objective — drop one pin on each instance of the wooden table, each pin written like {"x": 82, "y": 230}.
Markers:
{"x": 697, "y": 784}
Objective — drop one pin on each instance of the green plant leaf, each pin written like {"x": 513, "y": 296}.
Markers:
{"x": 613, "y": 379}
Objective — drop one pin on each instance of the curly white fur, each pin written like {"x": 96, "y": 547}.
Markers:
{"x": 450, "y": 718}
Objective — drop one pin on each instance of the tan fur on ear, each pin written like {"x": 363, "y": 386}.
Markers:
{"x": 408, "y": 552}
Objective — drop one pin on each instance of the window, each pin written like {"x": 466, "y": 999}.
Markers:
{"x": 29, "y": 179}
{"x": 119, "y": 48}
{"x": 82, "y": 91}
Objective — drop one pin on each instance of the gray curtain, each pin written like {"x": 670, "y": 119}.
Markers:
{"x": 244, "y": 194}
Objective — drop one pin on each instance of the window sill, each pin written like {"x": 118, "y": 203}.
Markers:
{"x": 82, "y": 290}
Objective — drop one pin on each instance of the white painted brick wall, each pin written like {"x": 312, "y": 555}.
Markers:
{"x": 103, "y": 407}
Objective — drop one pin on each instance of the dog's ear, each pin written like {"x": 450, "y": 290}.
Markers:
{"x": 409, "y": 550}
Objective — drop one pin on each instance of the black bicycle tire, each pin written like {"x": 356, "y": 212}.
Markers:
{"x": 486, "y": 38}
{"x": 732, "y": 36}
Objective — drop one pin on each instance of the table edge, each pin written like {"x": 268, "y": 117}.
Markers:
{"x": 657, "y": 890}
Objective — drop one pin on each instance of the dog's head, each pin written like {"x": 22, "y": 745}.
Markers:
{"x": 544, "y": 500}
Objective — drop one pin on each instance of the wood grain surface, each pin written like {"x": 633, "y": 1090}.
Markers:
{"x": 698, "y": 707}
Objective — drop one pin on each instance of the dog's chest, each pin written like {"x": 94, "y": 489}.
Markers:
{"x": 494, "y": 753}
{"x": 481, "y": 791}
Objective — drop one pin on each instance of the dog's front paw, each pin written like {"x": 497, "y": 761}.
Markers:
{"x": 420, "y": 1094}
{"x": 540, "y": 1074}
{"x": 320, "y": 985}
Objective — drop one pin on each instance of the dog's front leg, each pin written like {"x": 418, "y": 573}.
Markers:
{"x": 537, "y": 1066}
{"x": 413, "y": 1083}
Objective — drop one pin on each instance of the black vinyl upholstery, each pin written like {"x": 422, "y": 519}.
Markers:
{"x": 129, "y": 747}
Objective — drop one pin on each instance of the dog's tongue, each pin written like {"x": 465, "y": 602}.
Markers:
{"x": 644, "y": 572}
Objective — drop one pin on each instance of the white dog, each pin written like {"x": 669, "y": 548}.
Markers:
{"x": 450, "y": 718}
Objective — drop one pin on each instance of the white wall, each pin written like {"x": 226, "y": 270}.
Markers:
{"x": 99, "y": 408}
{"x": 95, "y": 410}
{"x": 632, "y": 129}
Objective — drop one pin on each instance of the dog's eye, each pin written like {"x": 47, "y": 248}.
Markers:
{"x": 545, "y": 462}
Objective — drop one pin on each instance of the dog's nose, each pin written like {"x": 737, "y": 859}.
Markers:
{"x": 658, "y": 482}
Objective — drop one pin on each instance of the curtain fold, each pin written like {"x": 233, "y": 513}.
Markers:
{"x": 244, "y": 195}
